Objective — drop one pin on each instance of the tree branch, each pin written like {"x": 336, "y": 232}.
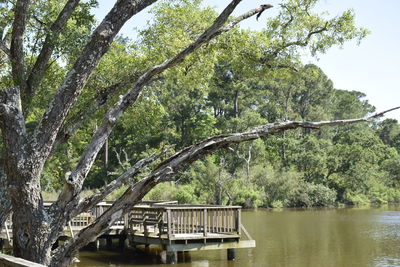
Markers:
{"x": 36, "y": 74}
{"x": 5, "y": 49}
{"x": 89, "y": 202}
{"x": 12, "y": 121}
{"x": 101, "y": 99}
{"x": 17, "y": 42}
{"x": 301, "y": 43}
{"x": 244, "y": 16}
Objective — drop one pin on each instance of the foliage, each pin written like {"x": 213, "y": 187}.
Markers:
{"x": 242, "y": 79}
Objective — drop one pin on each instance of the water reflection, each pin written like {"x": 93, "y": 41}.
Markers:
{"x": 304, "y": 238}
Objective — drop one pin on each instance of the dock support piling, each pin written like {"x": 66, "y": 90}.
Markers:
{"x": 172, "y": 257}
{"x": 231, "y": 254}
{"x": 121, "y": 242}
{"x": 109, "y": 242}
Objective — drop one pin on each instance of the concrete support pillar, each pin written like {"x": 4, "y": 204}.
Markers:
{"x": 172, "y": 257}
{"x": 231, "y": 254}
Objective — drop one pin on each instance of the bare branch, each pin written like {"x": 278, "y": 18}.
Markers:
{"x": 194, "y": 152}
{"x": 290, "y": 14}
{"x": 302, "y": 43}
{"x": 102, "y": 99}
{"x": 92, "y": 200}
{"x": 17, "y": 42}
{"x": 4, "y": 40}
{"x": 5, "y": 49}
{"x": 244, "y": 16}
{"x": 82, "y": 116}
{"x": 36, "y": 74}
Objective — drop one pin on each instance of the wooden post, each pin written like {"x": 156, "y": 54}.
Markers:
{"x": 109, "y": 241}
{"x": 172, "y": 257}
{"x": 231, "y": 254}
{"x": 106, "y": 156}
{"x": 70, "y": 229}
{"x": 7, "y": 232}
{"x": 126, "y": 222}
{"x": 121, "y": 242}
{"x": 205, "y": 222}
{"x": 238, "y": 222}
{"x": 169, "y": 224}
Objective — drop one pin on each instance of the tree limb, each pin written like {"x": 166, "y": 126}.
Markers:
{"x": 5, "y": 49}
{"x": 12, "y": 121}
{"x": 301, "y": 43}
{"x": 89, "y": 202}
{"x": 101, "y": 99}
{"x": 36, "y": 74}
{"x": 17, "y": 42}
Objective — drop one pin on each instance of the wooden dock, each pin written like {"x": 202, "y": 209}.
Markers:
{"x": 172, "y": 226}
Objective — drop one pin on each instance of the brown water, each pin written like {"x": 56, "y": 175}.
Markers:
{"x": 304, "y": 238}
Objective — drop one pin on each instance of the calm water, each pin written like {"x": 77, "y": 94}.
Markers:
{"x": 304, "y": 238}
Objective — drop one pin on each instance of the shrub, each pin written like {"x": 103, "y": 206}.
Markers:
{"x": 313, "y": 195}
{"x": 185, "y": 194}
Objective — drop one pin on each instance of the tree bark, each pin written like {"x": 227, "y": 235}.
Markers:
{"x": 5, "y": 201}
{"x": 23, "y": 169}
{"x": 17, "y": 43}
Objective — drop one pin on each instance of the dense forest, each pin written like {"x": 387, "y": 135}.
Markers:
{"x": 247, "y": 78}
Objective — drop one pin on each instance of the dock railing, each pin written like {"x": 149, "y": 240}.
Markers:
{"x": 186, "y": 221}
{"x": 163, "y": 220}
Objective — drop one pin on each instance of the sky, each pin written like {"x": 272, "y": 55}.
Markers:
{"x": 373, "y": 67}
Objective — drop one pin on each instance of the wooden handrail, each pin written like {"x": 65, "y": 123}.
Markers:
{"x": 170, "y": 219}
